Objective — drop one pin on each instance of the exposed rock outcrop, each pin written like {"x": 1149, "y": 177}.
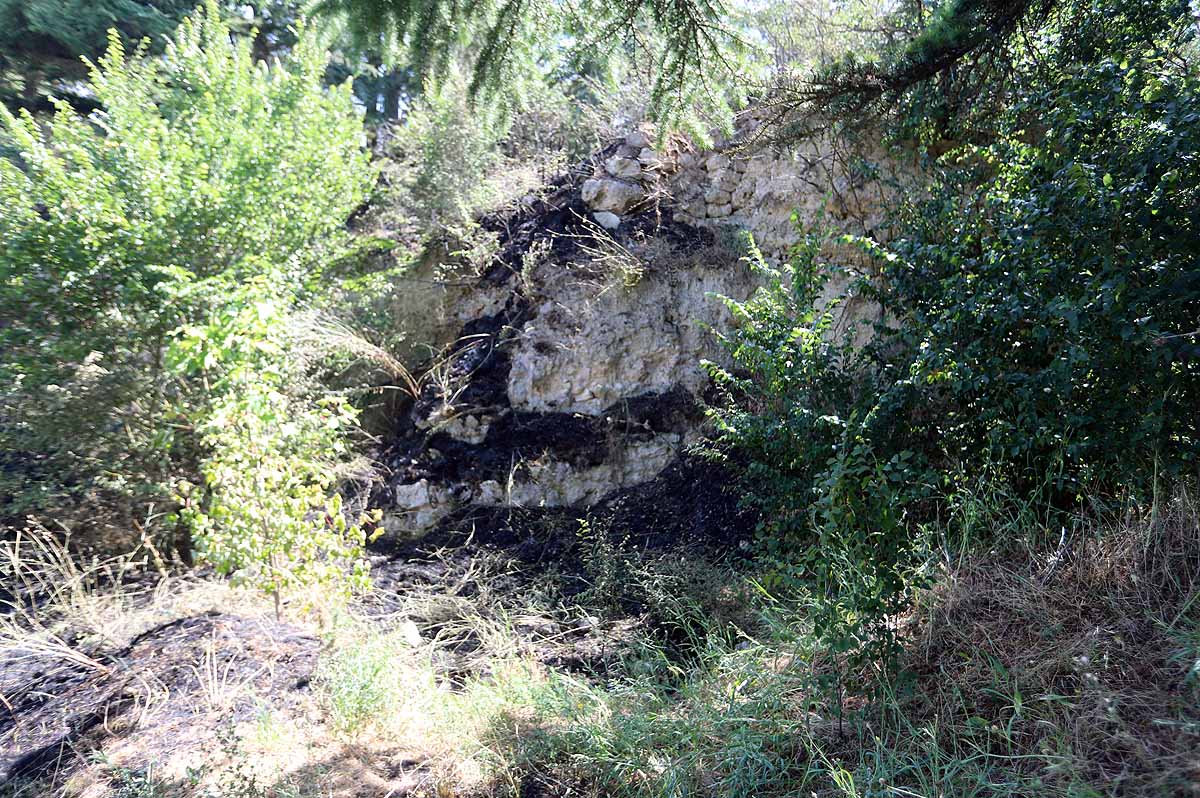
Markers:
{"x": 577, "y": 372}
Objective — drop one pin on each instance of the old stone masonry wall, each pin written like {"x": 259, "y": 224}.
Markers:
{"x": 747, "y": 186}
{"x": 577, "y": 373}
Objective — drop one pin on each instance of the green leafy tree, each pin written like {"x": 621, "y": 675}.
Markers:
{"x": 1042, "y": 295}
{"x": 265, "y": 509}
{"x": 1049, "y": 278}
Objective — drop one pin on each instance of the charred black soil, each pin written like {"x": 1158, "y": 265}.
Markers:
{"x": 691, "y": 507}
{"x": 517, "y": 436}
{"x": 55, "y": 708}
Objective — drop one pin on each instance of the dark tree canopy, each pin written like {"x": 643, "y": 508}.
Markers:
{"x": 41, "y": 41}
{"x": 954, "y": 31}
{"x": 493, "y": 35}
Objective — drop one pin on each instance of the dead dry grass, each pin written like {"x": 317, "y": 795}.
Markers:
{"x": 1084, "y": 658}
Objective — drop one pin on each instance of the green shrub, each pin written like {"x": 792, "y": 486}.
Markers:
{"x": 454, "y": 150}
{"x": 358, "y": 682}
{"x": 1041, "y": 296}
{"x": 149, "y": 258}
{"x": 1049, "y": 290}
{"x": 266, "y": 511}
{"x": 829, "y": 457}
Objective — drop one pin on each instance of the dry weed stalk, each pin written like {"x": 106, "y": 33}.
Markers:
{"x": 53, "y": 589}
{"x": 609, "y": 257}
{"x": 220, "y": 685}
{"x": 316, "y": 334}
{"x": 443, "y": 377}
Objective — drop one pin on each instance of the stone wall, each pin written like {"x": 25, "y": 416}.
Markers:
{"x": 754, "y": 186}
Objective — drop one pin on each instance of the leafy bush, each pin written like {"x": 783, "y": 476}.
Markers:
{"x": 266, "y": 511}
{"x": 1041, "y": 296}
{"x": 138, "y": 252}
{"x": 453, "y": 158}
{"x": 829, "y": 456}
{"x": 453, "y": 151}
{"x": 1049, "y": 288}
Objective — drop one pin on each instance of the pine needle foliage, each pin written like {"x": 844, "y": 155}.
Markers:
{"x": 698, "y": 49}
{"x": 41, "y": 41}
{"x": 698, "y": 55}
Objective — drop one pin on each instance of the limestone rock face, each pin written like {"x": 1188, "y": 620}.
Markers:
{"x": 581, "y": 353}
{"x": 649, "y": 159}
{"x": 637, "y": 140}
{"x": 614, "y": 196}
{"x": 715, "y": 195}
{"x": 558, "y": 484}
{"x": 576, "y": 370}
{"x": 416, "y": 507}
{"x": 587, "y": 382}
{"x": 758, "y": 189}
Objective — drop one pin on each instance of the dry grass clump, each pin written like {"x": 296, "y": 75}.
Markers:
{"x": 59, "y": 601}
{"x": 1079, "y": 669}
{"x": 112, "y": 670}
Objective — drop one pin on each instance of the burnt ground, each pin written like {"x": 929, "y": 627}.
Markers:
{"x": 493, "y": 559}
{"x": 160, "y": 689}
{"x": 165, "y": 692}
{"x": 157, "y": 692}
{"x": 690, "y": 507}
{"x": 559, "y": 218}
{"x": 514, "y": 437}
